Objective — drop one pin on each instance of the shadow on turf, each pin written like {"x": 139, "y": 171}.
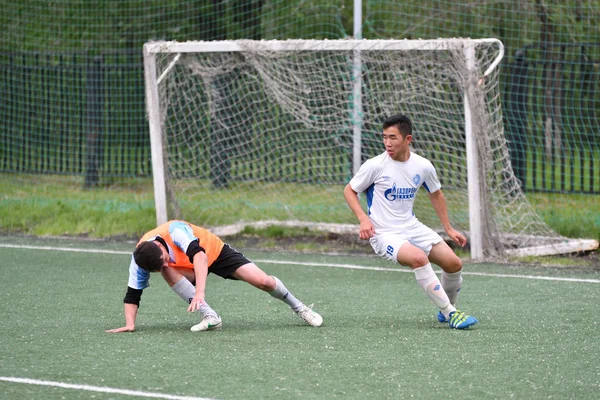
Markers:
{"x": 228, "y": 325}
{"x": 374, "y": 322}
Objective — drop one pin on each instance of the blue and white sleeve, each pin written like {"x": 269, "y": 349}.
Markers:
{"x": 431, "y": 183}
{"x": 366, "y": 175}
{"x": 138, "y": 277}
{"x": 182, "y": 235}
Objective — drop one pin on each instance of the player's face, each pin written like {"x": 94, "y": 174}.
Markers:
{"x": 165, "y": 254}
{"x": 395, "y": 144}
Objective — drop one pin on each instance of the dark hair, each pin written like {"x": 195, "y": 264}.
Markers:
{"x": 148, "y": 256}
{"x": 400, "y": 121}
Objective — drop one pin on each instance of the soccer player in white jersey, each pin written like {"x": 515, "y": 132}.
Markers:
{"x": 391, "y": 181}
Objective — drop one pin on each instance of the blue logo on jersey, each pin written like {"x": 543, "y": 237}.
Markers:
{"x": 417, "y": 179}
{"x": 394, "y": 193}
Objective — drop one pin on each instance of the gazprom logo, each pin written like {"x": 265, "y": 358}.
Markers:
{"x": 394, "y": 193}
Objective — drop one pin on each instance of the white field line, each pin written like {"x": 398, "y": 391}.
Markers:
{"x": 100, "y": 389}
{"x": 350, "y": 266}
{"x": 74, "y": 250}
{"x": 314, "y": 264}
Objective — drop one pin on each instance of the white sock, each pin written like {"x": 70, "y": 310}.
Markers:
{"x": 187, "y": 291}
{"x": 451, "y": 282}
{"x": 280, "y": 292}
{"x": 432, "y": 286}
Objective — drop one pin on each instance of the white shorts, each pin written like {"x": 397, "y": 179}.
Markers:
{"x": 386, "y": 245}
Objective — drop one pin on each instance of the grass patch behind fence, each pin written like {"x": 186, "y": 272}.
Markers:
{"x": 50, "y": 205}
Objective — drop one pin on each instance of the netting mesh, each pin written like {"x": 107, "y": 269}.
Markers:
{"x": 259, "y": 134}
{"x": 510, "y": 221}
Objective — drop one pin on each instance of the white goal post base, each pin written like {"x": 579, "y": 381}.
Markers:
{"x": 234, "y": 229}
{"x": 570, "y": 246}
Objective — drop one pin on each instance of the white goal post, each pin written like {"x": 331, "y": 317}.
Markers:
{"x": 324, "y": 91}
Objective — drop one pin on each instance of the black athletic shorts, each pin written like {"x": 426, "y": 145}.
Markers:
{"x": 228, "y": 262}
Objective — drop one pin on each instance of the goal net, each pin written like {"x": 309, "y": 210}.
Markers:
{"x": 248, "y": 132}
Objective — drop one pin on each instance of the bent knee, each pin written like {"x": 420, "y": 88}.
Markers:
{"x": 417, "y": 260}
{"x": 267, "y": 284}
{"x": 453, "y": 265}
{"x": 172, "y": 275}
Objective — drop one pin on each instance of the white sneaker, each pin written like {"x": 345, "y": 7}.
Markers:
{"x": 209, "y": 323}
{"x": 310, "y": 316}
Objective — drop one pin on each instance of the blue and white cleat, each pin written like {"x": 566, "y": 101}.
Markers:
{"x": 441, "y": 317}
{"x": 460, "y": 320}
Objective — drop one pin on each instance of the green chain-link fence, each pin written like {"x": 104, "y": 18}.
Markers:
{"x": 71, "y": 74}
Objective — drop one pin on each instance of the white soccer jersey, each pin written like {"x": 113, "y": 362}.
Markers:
{"x": 391, "y": 187}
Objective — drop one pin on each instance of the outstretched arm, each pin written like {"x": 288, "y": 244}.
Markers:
{"x": 130, "y": 309}
{"x": 438, "y": 201}
{"x": 366, "y": 227}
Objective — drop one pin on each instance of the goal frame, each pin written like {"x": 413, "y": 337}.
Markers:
{"x": 477, "y": 209}
{"x": 150, "y": 49}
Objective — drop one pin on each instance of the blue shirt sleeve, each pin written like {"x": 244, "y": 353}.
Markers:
{"x": 181, "y": 234}
{"x": 139, "y": 278}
